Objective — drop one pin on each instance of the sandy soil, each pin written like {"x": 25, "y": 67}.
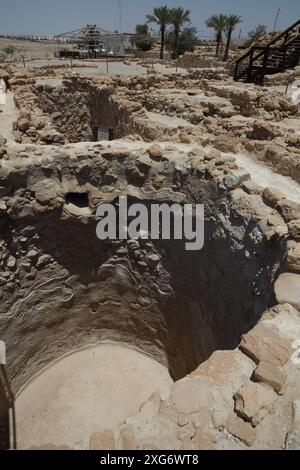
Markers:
{"x": 88, "y": 391}
{"x": 92, "y": 68}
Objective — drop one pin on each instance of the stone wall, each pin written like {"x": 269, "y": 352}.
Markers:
{"x": 79, "y": 106}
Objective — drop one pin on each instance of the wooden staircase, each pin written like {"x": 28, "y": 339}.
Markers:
{"x": 280, "y": 54}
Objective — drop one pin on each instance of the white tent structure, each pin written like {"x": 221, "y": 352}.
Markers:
{"x": 99, "y": 39}
{"x": 2, "y": 92}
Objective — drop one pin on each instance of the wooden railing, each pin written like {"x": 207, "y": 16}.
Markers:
{"x": 265, "y": 51}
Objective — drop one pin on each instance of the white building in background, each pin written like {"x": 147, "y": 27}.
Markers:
{"x": 2, "y": 92}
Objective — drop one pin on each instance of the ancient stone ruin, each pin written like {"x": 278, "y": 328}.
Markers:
{"x": 212, "y": 334}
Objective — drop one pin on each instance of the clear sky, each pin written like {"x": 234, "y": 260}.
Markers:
{"x": 58, "y": 16}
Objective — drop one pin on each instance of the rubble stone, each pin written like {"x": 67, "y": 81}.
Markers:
{"x": 270, "y": 375}
{"x": 253, "y": 401}
{"x": 104, "y": 440}
{"x": 241, "y": 429}
{"x": 287, "y": 289}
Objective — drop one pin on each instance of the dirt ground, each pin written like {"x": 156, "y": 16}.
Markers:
{"x": 88, "y": 391}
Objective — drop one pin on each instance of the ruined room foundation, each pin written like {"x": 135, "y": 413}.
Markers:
{"x": 171, "y": 339}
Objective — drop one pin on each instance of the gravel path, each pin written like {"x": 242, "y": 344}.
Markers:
{"x": 169, "y": 121}
{"x": 265, "y": 176}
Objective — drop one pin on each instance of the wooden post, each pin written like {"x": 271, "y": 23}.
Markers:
{"x": 8, "y": 437}
{"x": 24, "y": 64}
{"x": 4, "y": 418}
{"x": 2, "y": 353}
{"x": 106, "y": 64}
{"x": 249, "y": 72}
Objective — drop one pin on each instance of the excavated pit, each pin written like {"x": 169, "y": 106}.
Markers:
{"x": 94, "y": 328}
{"x": 65, "y": 290}
{"x": 91, "y": 389}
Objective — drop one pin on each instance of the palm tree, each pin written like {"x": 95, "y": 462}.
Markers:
{"x": 178, "y": 17}
{"x": 232, "y": 22}
{"x": 161, "y": 16}
{"x": 219, "y": 24}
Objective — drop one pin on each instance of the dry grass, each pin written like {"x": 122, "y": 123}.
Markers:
{"x": 29, "y": 49}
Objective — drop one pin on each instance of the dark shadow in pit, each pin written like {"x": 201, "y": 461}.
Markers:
{"x": 219, "y": 296}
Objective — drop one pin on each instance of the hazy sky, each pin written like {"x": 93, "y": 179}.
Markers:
{"x": 57, "y": 16}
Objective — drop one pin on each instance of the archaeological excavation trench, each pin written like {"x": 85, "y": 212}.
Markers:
{"x": 67, "y": 293}
{"x": 95, "y": 328}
